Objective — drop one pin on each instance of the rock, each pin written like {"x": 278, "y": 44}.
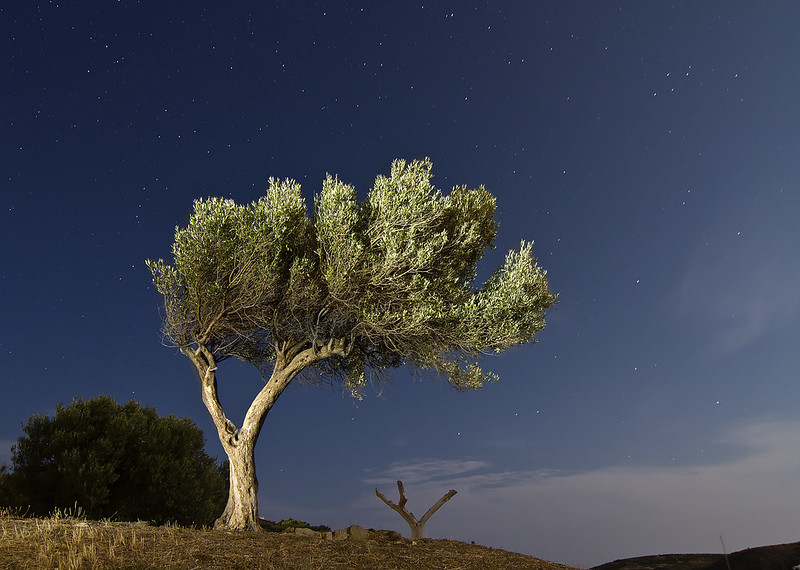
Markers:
{"x": 356, "y": 532}
{"x": 327, "y": 535}
{"x": 306, "y": 532}
{"x": 352, "y": 532}
{"x": 340, "y": 534}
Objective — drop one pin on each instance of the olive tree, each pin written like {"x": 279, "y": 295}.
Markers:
{"x": 348, "y": 293}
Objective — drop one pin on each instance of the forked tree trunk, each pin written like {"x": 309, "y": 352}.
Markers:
{"x": 415, "y": 525}
{"x": 241, "y": 512}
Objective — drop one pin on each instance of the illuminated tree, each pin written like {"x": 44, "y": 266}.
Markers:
{"x": 354, "y": 290}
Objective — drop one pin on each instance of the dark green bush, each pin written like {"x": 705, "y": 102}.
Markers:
{"x": 286, "y": 523}
{"x": 116, "y": 461}
{"x": 5, "y": 486}
{"x": 291, "y": 523}
{"x": 321, "y": 528}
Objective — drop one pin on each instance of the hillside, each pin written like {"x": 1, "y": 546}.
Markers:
{"x": 777, "y": 557}
{"x": 76, "y": 544}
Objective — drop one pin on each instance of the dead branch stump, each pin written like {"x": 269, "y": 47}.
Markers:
{"x": 416, "y": 525}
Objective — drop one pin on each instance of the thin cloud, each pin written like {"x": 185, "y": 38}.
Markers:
{"x": 738, "y": 290}
{"x": 423, "y": 470}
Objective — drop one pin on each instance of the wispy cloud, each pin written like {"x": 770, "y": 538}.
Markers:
{"x": 423, "y": 470}
{"x": 735, "y": 289}
{"x": 592, "y": 517}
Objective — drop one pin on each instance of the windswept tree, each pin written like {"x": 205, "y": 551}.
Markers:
{"x": 354, "y": 290}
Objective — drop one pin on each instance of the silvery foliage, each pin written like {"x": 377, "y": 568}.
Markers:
{"x": 393, "y": 276}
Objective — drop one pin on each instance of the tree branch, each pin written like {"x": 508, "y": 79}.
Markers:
{"x": 400, "y": 509}
{"x": 403, "y": 499}
{"x": 438, "y": 504}
{"x": 206, "y": 367}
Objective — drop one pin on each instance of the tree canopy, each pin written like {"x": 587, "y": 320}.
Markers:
{"x": 120, "y": 461}
{"x": 390, "y": 281}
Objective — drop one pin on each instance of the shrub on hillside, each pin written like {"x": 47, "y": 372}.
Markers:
{"x": 116, "y": 461}
{"x": 5, "y": 490}
{"x": 291, "y": 523}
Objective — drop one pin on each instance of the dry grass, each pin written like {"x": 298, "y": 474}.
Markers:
{"x": 71, "y": 544}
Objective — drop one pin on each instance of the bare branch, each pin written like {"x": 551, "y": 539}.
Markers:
{"x": 415, "y": 525}
{"x": 402, "y": 491}
{"x": 438, "y": 504}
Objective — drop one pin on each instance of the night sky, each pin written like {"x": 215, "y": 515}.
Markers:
{"x": 649, "y": 149}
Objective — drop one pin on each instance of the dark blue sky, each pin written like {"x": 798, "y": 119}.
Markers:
{"x": 649, "y": 149}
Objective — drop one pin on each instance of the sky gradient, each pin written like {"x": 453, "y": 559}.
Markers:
{"x": 650, "y": 150}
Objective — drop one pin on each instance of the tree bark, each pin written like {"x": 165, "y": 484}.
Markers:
{"x": 241, "y": 512}
{"x": 416, "y": 525}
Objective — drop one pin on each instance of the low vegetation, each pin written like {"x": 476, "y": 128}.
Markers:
{"x": 73, "y": 544}
{"x": 68, "y": 542}
{"x": 111, "y": 460}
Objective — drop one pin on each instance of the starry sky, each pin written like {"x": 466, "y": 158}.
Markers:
{"x": 649, "y": 149}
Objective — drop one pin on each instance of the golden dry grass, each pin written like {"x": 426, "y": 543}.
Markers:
{"x": 72, "y": 544}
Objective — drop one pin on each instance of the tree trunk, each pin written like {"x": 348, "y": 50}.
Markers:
{"x": 241, "y": 512}
{"x": 415, "y": 525}
{"x": 416, "y": 529}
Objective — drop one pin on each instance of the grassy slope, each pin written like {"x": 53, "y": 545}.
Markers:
{"x": 75, "y": 544}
